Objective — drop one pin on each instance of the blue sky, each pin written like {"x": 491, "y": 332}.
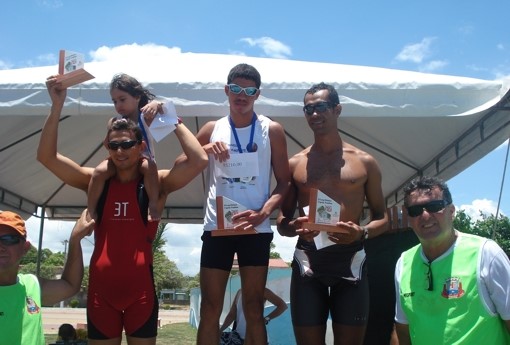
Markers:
{"x": 442, "y": 37}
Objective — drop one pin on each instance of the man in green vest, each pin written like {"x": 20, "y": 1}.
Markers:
{"x": 452, "y": 288}
{"x": 23, "y": 295}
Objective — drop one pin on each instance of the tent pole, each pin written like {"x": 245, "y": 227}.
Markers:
{"x": 39, "y": 249}
{"x": 501, "y": 190}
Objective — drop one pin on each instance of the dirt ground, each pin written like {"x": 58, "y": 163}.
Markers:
{"x": 54, "y": 317}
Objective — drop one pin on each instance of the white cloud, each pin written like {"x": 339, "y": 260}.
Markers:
{"x": 485, "y": 206}
{"x": 500, "y": 46}
{"x": 51, "y": 3}
{"x": 433, "y": 66}
{"x": 119, "y": 53}
{"x": 272, "y": 48}
{"x": 466, "y": 30}
{"x": 416, "y": 52}
{"x": 4, "y": 65}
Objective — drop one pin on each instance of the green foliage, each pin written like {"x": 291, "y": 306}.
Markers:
{"x": 487, "y": 226}
{"x": 30, "y": 256}
{"x": 192, "y": 282}
{"x": 166, "y": 273}
{"x": 272, "y": 253}
{"x": 85, "y": 281}
{"x": 55, "y": 259}
{"x": 74, "y": 303}
{"x": 159, "y": 241}
{"x": 46, "y": 271}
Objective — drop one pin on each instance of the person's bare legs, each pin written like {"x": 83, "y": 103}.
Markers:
{"x": 149, "y": 170}
{"x": 101, "y": 174}
{"x": 213, "y": 283}
{"x": 140, "y": 341}
{"x": 253, "y": 284}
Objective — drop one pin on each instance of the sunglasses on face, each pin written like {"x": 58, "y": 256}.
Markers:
{"x": 248, "y": 91}
{"x": 125, "y": 145}
{"x": 433, "y": 206}
{"x": 318, "y": 107}
{"x": 10, "y": 240}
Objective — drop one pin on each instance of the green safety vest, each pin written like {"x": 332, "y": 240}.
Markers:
{"x": 453, "y": 312}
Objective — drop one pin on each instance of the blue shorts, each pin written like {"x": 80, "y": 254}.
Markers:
{"x": 218, "y": 251}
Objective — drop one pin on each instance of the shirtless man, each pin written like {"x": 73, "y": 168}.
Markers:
{"x": 332, "y": 279}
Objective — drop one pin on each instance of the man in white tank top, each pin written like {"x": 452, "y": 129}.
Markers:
{"x": 239, "y": 140}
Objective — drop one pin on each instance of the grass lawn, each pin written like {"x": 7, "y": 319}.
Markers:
{"x": 171, "y": 334}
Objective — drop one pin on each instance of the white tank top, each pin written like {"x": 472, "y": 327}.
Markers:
{"x": 252, "y": 191}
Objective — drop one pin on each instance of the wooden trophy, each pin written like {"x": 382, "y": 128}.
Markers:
{"x": 225, "y": 209}
{"x": 71, "y": 69}
{"x": 323, "y": 213}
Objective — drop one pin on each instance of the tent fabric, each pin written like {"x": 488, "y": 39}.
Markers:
{"x": 411, "y": 122}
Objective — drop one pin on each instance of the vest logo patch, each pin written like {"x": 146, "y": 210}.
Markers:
{"x": 452, "y": 288}
{"x": 408, "y": 294}
{"x": 32, "y": 307}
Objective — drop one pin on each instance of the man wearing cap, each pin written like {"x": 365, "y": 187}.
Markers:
{"x": 22, "y": 295}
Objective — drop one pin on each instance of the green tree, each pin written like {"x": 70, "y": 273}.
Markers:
{"x": 273, "y": 254}
{"x": 46, "y": 271}
{"x": 159, "y": 242}
{"x": 30, "y": 256}
{"x": 486, "y": 226}
{"x": 55, "y": 259}
{"x": 192, "y": 281}
{"x": 166, "y": 273}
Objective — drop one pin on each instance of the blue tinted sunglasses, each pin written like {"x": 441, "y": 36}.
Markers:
{"x": 318, "y": 107}
{"x": 248, "y": 91}
{"x": 125, "y": 145}
{"x": 10, "y": 240}
{"x": 433, "y": 206}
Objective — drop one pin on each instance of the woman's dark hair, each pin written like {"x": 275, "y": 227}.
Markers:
{"x": 132, "y": 86}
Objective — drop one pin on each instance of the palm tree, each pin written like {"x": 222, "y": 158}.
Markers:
{"x": 159, "y": 241}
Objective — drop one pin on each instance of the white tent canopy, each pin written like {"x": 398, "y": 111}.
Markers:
{"x": 413, "y": 123}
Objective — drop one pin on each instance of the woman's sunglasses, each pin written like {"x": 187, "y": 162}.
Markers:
{"x": 248, "y": 91}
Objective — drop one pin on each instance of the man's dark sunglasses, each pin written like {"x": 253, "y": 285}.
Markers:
{"x": 248, "y": 91}
{"x": 318, "y": 107}
{"x": 125, "y": 145}
{"x": 10, "y": 240}
{"x": 433, "y": 206}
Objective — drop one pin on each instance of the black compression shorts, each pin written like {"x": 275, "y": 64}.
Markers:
{"x": 218, "y": 252}
{"x": 314, "y": 298}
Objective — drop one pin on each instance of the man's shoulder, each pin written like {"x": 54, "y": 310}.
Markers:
{"x": 28, "y": 279}
{"x": 351, "y": 149}
{"x": 303, "y": 153}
